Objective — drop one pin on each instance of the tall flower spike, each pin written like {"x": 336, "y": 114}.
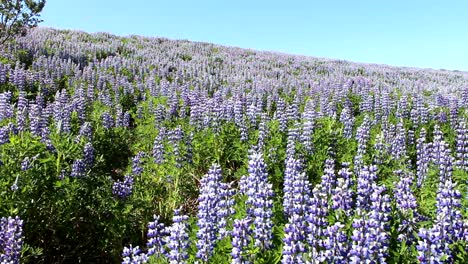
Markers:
{"x": 295, "y": 230}
{"x": 156, "y": 234}
{"x": 178, "y": 240}
{"x": 260, "y": 194}
{"x": 11, "y": 240}
{"x": 207, "y": 218}
{"x": 241, "y": 236}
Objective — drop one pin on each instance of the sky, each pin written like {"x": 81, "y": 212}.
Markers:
{"x": 413, "y": 33}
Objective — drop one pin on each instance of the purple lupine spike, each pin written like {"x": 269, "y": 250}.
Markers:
{"x": 342, "y": 198}
{"x": 6, "y": 111}
{"x": 4, "y": 135}
{"x": 347, "y": 119}
{"x": 207, "y": 217}
{"x": 241, "y": 236}
{"x": 35, "y": 116}
{"x": 406, "y": 205}
{"x": 133, "y": 255}
{"x": 156, "y": 234}
{"x": 225, "y": 209}
{"x": 123, "y": 189}
{"x": 88, "y": 155}
{"x": 118, "y": 117}
{"x": 422, "y": 157}
{"x": 262, "y": 134}
{"x": 293, "y": 135}
{"x": 370, "y": 234}
{"x": 260, "y": 193}
{"x": 86, "y": 132}
{"x": 398, "y": 146}
{"x": 126, "y": 119}
{"x": 434, "y": 243}
{"x": 295, "y": 229}
{"x": 178, "y": 240}
{"x": 462, "y": 146}
{"x": 438, "y": 146}
{"x": 158, "y": 149}
{"x": 293, "y": 168}
{"x": 11, "y": 239}
{"x": 176, "y": 138}
{"x": 365, "y": 179}
{"x": 336, "y": 244}
{"x": 306, "y": 136}
{"x": 317, "y": 222}
{"x": 137, "y": 163}
{"x": 328, "y": 180}
{"x": 380, "y": 147}
{"x": 107, "y": 120}
{"x": 78, "y": 168}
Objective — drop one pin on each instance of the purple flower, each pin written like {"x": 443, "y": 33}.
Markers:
{"x": 156, "y": 234}
{"x": 4, "y": 135}
{"x": 296, "y": 228}
{"x": 259, "y": 201}
{"x": 422, "y": 157}
{"x": 123, "y": 189}
{"x": 133, "y": 255}
{"x": 241, "y": 236}
{"x": 78, "y": 168}
{"x": 178, "y": 240}
{"x": 107, "y": 120}
{"x": 88, "y": 155}
{"x": 342, "y": 194}
{"x": 11, "y": 239}
{"x": 137, "y": 163}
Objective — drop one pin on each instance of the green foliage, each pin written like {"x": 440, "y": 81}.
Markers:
{"x": 17, "y": 16}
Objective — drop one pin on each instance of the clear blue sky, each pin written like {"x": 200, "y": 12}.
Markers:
{"x": 429, "y": 34}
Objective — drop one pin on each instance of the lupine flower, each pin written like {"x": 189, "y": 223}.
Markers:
{"x": 291, "y": 144}
{"x": 107, "y": 120}
{"x": 123, "y": 189}
{"x": 462, "y": 146}
{"x": 422, "y": 157}
{"x": 342, "y": 195}
{"x": 26, "y": 164}
{"x": 370, "y": 235}
{"x": 336, "y": 244}
{"x": 88, "y": 155}
{"x": 178, "y": 239}
{"x": 158, "y": 149}
{"x": 348, "y": 121}
{"x": 296, "y": 228}
{"x": 133, "y": 255}
{"x": 260, "y": 193}
{"x": 293, "y": 168}
{"x": 406, "y": 204}
{"x": 365, "y": 179}
{"x": 241, "y": 236}
{"x": 4, "y": 135}
{"x": 398, "y": 146}
{"x": 317, "y": 221}
{"x": 6, "y": 111}
{"x": 207, "y": 212}
{"x": 11, "y": 240}
{"x": 156, "y": 234}
{"x": 137, "y": 168}
{"x": 86, "y": 132}
{"x": 78, "y": 168}
{"x": 306, "y": 136}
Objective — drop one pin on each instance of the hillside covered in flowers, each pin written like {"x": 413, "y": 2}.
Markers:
{"x": 150, "y": 150}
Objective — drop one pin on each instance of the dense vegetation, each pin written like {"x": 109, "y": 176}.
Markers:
{"x": 152, "y": 150}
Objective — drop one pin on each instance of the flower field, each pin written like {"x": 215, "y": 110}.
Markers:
{"x": 150, "y": 150}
